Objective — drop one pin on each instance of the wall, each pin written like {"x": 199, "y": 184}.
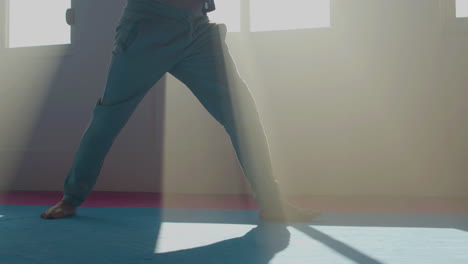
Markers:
{"x": 374, "y": 105}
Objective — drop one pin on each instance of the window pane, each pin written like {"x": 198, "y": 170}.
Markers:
{"x": 462, "y": 8}
{"x": 38, "y": 23}
{"x": 227, "y": 12}
{"x": 268, "y": 15}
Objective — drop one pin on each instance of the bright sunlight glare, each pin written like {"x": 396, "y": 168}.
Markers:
{"x": 462, "y": 8}
{"x": 178, "y": 236}
{"x": 227, "y": 12}
{"x": 270, "y": 15}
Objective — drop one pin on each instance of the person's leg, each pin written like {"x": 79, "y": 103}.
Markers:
{"x": 210, "y": 73}
{"x": 142, "y": 54}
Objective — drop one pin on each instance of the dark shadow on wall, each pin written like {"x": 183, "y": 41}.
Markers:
{"x": 66, "y": 110}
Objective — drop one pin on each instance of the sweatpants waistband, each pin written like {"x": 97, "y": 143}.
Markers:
{"x": 151, "y": 8}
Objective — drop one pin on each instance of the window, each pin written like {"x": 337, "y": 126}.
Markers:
{"x": 37, "y": 23}
{"x": 229, "y": 13}
{"x": 272, "y": 15}
{"x": 462, "y": 8}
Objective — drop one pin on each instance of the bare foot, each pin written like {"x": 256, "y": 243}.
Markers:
{"x": 60, "y": 210}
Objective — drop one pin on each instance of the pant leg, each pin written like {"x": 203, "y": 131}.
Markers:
{"x": 143, "y": 52}
{"x": 210, "y": 73}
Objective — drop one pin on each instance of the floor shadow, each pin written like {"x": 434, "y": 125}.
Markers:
{"x": 258, "y": 246}
{"x": 336, "y": 245}
{"x": 124, "y": 235}
{"x": 131, "y": 235}
{"x": 459, "y": 222}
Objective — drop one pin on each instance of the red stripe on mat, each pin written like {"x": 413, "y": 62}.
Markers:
{"x": 417, "y": 205}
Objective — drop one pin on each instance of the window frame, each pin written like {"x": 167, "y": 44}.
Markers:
{"x": 34, "y": 51}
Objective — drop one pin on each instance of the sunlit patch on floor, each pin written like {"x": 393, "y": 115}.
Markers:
{"x": 331, "y": 244}
{"x": 178, "y": 236}
{"x": 377, "y": 245}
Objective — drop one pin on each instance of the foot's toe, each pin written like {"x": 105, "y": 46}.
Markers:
{"x": 45, "y": 214}
{"x": 49, "y": 214}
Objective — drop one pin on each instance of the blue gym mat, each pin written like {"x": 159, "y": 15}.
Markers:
{"x": 151, "y": 235}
